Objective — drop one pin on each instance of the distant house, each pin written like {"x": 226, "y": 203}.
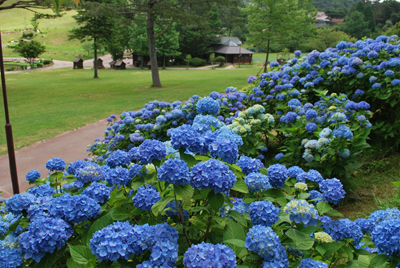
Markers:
{"x": 230, "y": 48}
{"x": 337, "y": 20}
{"x": 78, "y": 63}
{"x": 119, "y": 65}
{"x": 323, "y": 20}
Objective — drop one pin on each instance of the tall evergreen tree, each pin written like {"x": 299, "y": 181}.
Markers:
{"x": 355, "y": 25}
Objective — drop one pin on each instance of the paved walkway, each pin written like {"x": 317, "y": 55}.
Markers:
{"x": 106, "y": 59}
{"x": 70, "y": 146}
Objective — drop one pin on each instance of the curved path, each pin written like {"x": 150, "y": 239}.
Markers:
{"x": 70, "y": 146}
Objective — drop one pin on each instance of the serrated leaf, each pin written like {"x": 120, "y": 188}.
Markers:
{"x": 189, "y": 159}
{"x": 300, "y": 241}
{"x": 235, "y": 242}
{"x": 186, "y": 192}
{"x": 331, "y": 248}
{"x": 238, "y": 217}
{"x": 241, "y": 186}
{"x": 81, "y": 254}
{"x": 323, "y": 207}
{"x": 215, "y": 200}
{"x": 378, "y": 261}
{"x": 72, "y": 264}
{"x": 364, "y": 261}
{"x": 120, "y": 214}
{"x": 160, "y": 205}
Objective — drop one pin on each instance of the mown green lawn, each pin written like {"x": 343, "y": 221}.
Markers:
{"x": 46, "y": 103}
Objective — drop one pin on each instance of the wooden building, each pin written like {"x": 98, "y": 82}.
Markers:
{"x": 100, "y": 64}
{"x": 229, "y": 47}
{"x": 78, "y": 63}
{"x": 119, "y": 65}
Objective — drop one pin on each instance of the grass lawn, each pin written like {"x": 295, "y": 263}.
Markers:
{"x": 43, "y": 104}
{"x": 54, "y": 34}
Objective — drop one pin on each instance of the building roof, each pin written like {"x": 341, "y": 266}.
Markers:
{"x": 338, "y": 20}
{"x": 77, "y": 59}
{"x": 231, "y": 50}
{"x": 321, "y": 16}
{"x": 221, "y": 40}
{"x": 119, "y": 63}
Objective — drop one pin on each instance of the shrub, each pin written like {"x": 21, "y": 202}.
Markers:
{"x": 221, "y": 60}
{"x": 46, "y": 62}
{"x": 196, "y": 62}
{"x": 39, "y": 64}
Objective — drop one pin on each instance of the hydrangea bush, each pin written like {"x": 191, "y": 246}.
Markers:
{"x": 195, "y": 184}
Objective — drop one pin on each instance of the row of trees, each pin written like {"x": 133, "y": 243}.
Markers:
{"x": 151, "y": 26}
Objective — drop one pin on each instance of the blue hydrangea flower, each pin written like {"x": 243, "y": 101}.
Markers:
{"x": 207, "y": 105}
{"x": 343, "y": 132}
{"x": 118, "y": 176}
{"x": 300, "y": 211}
{"x": 98, "y": 191}
{"x": 212, "y": 174}
{"x": 226, "y": 133}
{"x": 135, "y": 170}
{"x": 310, "y": 263}
{"x": 290, "y": 117}
{"x": 33, "y": 175}
{"x": 311, "y": 127}
{"x": 203, "y": 123}
{"x": 279, "y": 156}
{"x": 264, "y": 213}
{"x": 294, "y": 171}
{"x": 226, "y": 149}
{"x": 19, "y": 202}
{"x": 113, "y": 242}
{"x": 314, "y": 194}
{"x": 343, "y": 228}
{"x": 277, "y": 175}
{"x": 344, "y": 154}
{"x": 118, "y": 158}
{"x": 44, "y": 236}
{"x": 381, "y": 215}
{"x": 263, "y": 241}
{"x": 187, "y": 137}
{"x": 150, "y": 150}
{"x": 174, "y": 171}
{"x": 257, "y": 182}
{"x": 173, "y": 213}
{"x": 11, "y": 258}
{"x": 145, "y": 198}
{"x": 80, "y": 208}
{"x": 311, "y": 114}
{"x": 325, "y": 133}
{"x": 366, "y": 225}
{"x": 209, "y": 255}
{"x": 42, "y": 190}
{"x": 332, "y": 190}
{"x": 74, "y": 166}
{"x": 56, "y": 164}
{"x": 90, "y": 173}
{"x": 386, "y": 237}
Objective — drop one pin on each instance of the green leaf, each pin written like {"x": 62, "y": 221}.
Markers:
{"x": 364, "y": 261}
{"x": 378, "y": 261}
{"x": 160, "y": 205}
{"x": 238, "y": 217}
{"x": 233, "y": 231}
{"x": 241, "y": 186}
{"x": 235, "y": 242}
{"x": 331, "y": 248}
{"x": 189, "y": 159}
{"x": 120, "y": 214}
{"x": 397, "y": 183}
{"x": 323, "y": 207}
{"x": 300, "y": 241}
{"x": 334, "y": 213}
{"x": 97, "y": 225}
{"x": 186, "y": 192}
{"x": 72, "y": 264}
{"x": 215, "y": 200}
{"x": 81, "y": 254}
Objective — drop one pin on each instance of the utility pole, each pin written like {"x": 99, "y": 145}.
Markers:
{"x": 10, "y": 141}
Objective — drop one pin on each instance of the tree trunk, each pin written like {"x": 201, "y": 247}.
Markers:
{"x": 164, "y": 62}
{"x": 266, "y": 59}
{"x": 152, "y": 48}
{"x": 95, "y": 59}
